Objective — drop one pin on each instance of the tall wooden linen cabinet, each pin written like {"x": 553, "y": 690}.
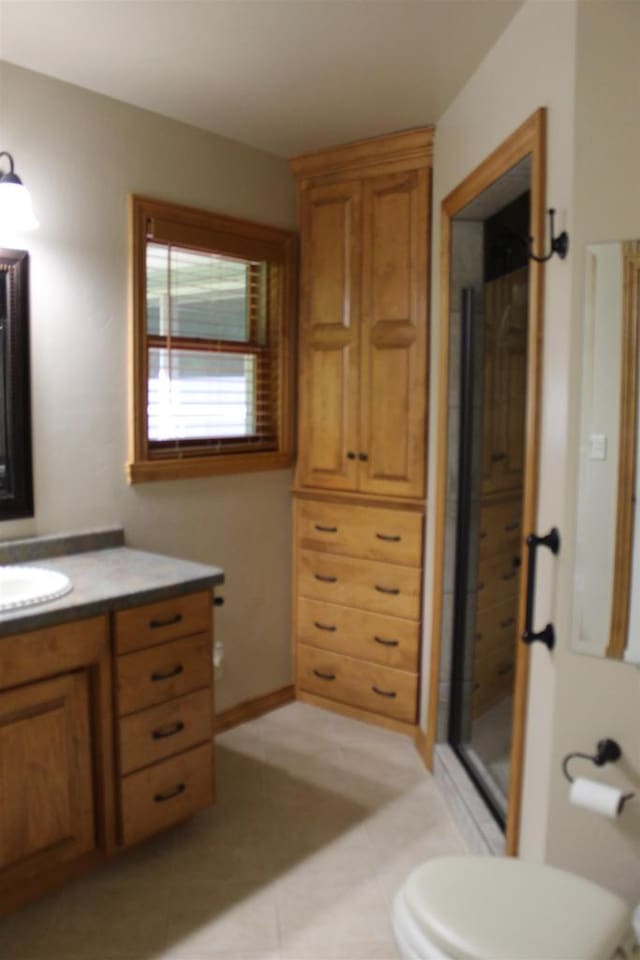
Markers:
{"x": 359, "y": 490}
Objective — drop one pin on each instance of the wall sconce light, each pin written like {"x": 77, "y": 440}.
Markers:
{"x": 16, "y": 211}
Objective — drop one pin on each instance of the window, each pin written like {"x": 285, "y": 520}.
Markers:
{"x": 211, "y": 310}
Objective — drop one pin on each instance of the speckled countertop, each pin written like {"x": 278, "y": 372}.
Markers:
{"x": 108, "y": 577}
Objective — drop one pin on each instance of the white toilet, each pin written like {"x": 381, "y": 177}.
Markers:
{"x": 498, "y": 908}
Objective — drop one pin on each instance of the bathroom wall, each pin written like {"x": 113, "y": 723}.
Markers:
{"x": 80, "y": 155}
{"x": 531, "y": 65}
{"x": 596, "y": 698}
{"x": 579, "y": 60}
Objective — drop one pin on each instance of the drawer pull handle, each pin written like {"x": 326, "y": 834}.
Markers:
{"x": 497, "y": 457}
{"x": 508, "y": 576}
{"x": 480, "y": 586}
{"x": 387, "y": 643}
{"x": 176, "y": 618}
{"x": 483, "y": 534}
{"x": 394, "y": 591}
{"x": 171, "y": 731}
{"x": 161, "y": 797}
{"x": 325, "y": 579}
{"x": 503, "y": 671}
{"x": 174, "y": 672}
{"x": 324, "y": 676}
{"x": 388, "y": 537}
{"x": 384, "y": 693}
{"x": 510, "y": 527}
{"x": 507, "y": 622}
{"x": 322, "y": 529}
{"x": 324, "y": 626}
{"x": 477, "y": 637}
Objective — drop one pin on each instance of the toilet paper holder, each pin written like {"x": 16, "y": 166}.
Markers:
{"x": 607, "y": 751}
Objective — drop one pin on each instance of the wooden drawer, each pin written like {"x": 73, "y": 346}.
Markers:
{"x": 500, "y": 527}
{"x": 379, "y": 587}
{"x": 166, "y": 793}
{"x": 498, "y": 580}
{"x": 159, "y": 732}
{"x": 373, "y": 533}
{"x": 159, "y": 622}
{"x": 356, "y": 682}
{"x": 161, "y": 673}
{"x": 386, "y": 640}
{"x": 496, "y": 627}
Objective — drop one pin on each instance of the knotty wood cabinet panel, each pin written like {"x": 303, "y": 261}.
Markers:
{"x": 329, "y": 333}
{"x": 394, "y": 333}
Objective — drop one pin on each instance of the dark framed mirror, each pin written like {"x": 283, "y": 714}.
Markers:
{"x": 16, "y": 482}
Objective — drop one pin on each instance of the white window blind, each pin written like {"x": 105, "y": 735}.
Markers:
{"x": 212, "y": 352}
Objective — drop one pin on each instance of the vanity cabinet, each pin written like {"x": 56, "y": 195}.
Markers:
{"x": 106, "y": 737}
{"x": 364, "y": 212}
{"x": 56, "y": 756}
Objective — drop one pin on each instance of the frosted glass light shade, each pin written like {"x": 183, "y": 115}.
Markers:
{"x": 16, "y": 210}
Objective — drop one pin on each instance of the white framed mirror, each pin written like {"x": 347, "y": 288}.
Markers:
{"x": 606, "y": 620}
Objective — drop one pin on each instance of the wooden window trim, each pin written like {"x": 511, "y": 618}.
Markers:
{"x": 199, "y": 229}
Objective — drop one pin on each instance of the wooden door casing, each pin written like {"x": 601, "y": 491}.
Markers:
{"x": 394, "y": 334}
{"x": 46, "y": 781}
{"x": 329, "y": 336}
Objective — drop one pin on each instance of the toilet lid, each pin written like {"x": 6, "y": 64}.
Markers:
{"x": 473, "y": 908}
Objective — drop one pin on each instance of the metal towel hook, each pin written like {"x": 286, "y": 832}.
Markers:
{"x": 559, "y": 244}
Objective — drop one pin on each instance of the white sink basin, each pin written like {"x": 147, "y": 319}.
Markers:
{"x": 24, "y": 586}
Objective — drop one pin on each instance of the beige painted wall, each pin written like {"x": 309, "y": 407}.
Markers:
{"x": 580, "y": 61}
{"x": 81, "y": 154}
{"x": 596, "y": 698}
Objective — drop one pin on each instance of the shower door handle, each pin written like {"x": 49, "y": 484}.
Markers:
{"x": 552, "y": 541}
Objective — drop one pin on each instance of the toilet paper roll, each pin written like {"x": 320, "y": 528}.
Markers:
{"x": 598, "y": 797}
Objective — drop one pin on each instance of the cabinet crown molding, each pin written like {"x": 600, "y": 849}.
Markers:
{"x": 413, "y": 147}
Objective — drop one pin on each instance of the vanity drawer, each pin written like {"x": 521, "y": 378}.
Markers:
{"x": 390, "y": 641}
{"x": 159, "y": 732}
{"x": 159, "y": 622}
{"x": 356, "y": 682}
{"x": 380, "y": 587}
{"x": 393, "y": 536}
{"x": 500, "y": 527}
{"x": 161, "y": 673}
{"x": 166, "y": 793}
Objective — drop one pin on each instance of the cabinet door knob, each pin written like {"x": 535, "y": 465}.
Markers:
{"x": 363, "y": 456}
{"x": 350, "y": 455}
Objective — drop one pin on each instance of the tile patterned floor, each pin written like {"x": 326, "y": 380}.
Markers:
{"x": 318, "y": 821}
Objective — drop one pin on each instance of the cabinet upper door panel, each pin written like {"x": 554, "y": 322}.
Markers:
{"x": 329, "y": 320}
{"x": 394, "y": 332}
{"x": 46, "y": 793}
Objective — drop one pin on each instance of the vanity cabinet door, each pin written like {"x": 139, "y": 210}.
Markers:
{"x": 46, "y": 779}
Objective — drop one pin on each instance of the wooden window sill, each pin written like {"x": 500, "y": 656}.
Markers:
{"x": 147, "y": 471}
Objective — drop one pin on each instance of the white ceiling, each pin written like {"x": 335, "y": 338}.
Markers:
{"x": 287, "y": 76}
